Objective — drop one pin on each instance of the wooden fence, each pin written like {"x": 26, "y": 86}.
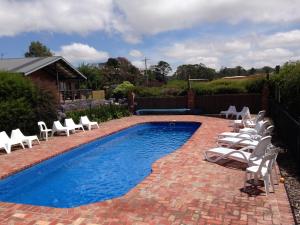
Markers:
{"x": 178, "y": 102}
{"x": 208, "y": 104}
{"x": 213, "y": 104}
{"x": 288, "y": 129}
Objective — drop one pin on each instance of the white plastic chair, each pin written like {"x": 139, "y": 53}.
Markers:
{"x": 70, "y": 124}
{"x": 58, "y": 128}
{"x": 44, "y": 130}
{"x": 263, "y": 170}
{"x": 18, "y": 135}
{"x": 230, "y": 111}
{"x": 7, "y": 143}
{"x": 84, "y": 121}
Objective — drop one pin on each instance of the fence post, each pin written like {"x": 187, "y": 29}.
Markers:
{"x": 191, "y": 99}
{"x": 265, "y": 97}
{"x": 131, "y": 102}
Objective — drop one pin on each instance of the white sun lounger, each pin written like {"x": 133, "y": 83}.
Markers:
{"x": 70, "y": 124}
{"x": 230, "y": 111}
{"x": 266, "y": 132}
{"x": 18, "y": 135}
{"x": 7, "y": 143}
{"x": 242, "y": 140}
{"x": 258, "y": 129}
{"x": 84, "y": 121}
{"x": 243, "y": 154}
{"x": 248, "y": 122}
{"x": 58, "y": 128}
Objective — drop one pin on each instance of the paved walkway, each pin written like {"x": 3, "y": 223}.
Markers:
{"x": 183, "y": 188}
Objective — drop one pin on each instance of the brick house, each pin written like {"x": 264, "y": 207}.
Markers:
{"x": 50, "y": 73}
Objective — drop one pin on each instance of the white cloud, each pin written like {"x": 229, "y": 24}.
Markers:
{"x": 249, "y": 51}
{"x": 284, "y": 39}
{"x": 136, "y": 53}
{"x": 68, "y": 16}
{"x": 135, "y": 18}
{"x": 77, "y": 53}
{"x": 139, "y": 64}
{"x": 151, "y": 17}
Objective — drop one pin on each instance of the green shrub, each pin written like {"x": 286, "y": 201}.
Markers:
{"x": 122, "y": 90}
{"x": 288, "y": 84}
{"x": 101, "y": 113}
{"x": 22, "y": 104}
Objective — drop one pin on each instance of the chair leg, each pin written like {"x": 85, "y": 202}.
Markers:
{"x": 266, "y": 182}
{"x": 246, "y": 179}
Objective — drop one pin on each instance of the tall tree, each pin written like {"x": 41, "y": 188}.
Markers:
{"x": 95, "y": 79}
{"x": 195, "y": 71}
{"x": 37, "y": 49}
{"x": 161, "y": 70}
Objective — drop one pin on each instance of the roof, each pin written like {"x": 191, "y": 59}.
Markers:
{"x": 29, "y": 65}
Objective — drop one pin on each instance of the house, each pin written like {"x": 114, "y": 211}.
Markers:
{"x": 50, "y": 73}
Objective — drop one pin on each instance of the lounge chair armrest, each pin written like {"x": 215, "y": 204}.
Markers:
{"x": 247, "y": 148}
{"x": 239, "y": 141}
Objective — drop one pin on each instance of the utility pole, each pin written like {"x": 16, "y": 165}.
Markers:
{"x": 146, "y": 73}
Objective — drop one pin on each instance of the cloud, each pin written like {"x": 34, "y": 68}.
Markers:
{"x": 135, "y": 53}
{"x": 68, "y": 16}
{"x": 284, "y": 39}
{"x": 136, "y": 18}
{"x": 77, "y": 53}
{"x": 249, "y": 51}
{"x": 139, "y": 64}
{"x": 152, "y": 17}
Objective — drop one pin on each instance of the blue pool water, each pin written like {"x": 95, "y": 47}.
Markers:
{"x": 103, "y": 169}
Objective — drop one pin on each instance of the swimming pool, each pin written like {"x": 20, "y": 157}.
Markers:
{"x": 103, "y": 169}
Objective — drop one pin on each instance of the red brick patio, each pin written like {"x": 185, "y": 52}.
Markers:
{"x": 183, "y": 188}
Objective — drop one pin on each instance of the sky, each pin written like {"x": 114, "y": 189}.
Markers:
{"x": 217, "y": 33}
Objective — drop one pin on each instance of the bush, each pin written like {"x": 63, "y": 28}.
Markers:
{"x": 101, "y": 113}
{"x": 22, "y": 104}
{"x": 122, "y": 90}
{"x": 288, "y": 83}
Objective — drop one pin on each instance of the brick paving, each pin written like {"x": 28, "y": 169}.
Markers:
{"x": 183, "y": 188}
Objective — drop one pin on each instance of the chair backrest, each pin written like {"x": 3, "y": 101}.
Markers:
{"x": 262, "y": 127}
{"x": 268, "y": 130}
{"x": 69, "y": 122}
{"x": 261, "y": 148}
{"x": 42, "y": 126}
{"x": 4, "y": 137}
{"x": 232, "y": 108}
{"x": 58, "y": 125}
{"x": 84, "y": 120}
{"x": 17, "y": 134}
{"x": 260, "y": 116}
{"x": 267, "y": 161}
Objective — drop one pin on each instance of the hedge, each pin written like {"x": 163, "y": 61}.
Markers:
{"x": 22, "y": 104}
{"x": 100, "y": 113}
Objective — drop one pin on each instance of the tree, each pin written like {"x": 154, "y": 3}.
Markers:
{"x": 161, "y": 70}
{"x": 123, "y": 89}
{"x": 37, "y": 49}
{"x": 95, "y": 79}
{"x": 195, "y": 71}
